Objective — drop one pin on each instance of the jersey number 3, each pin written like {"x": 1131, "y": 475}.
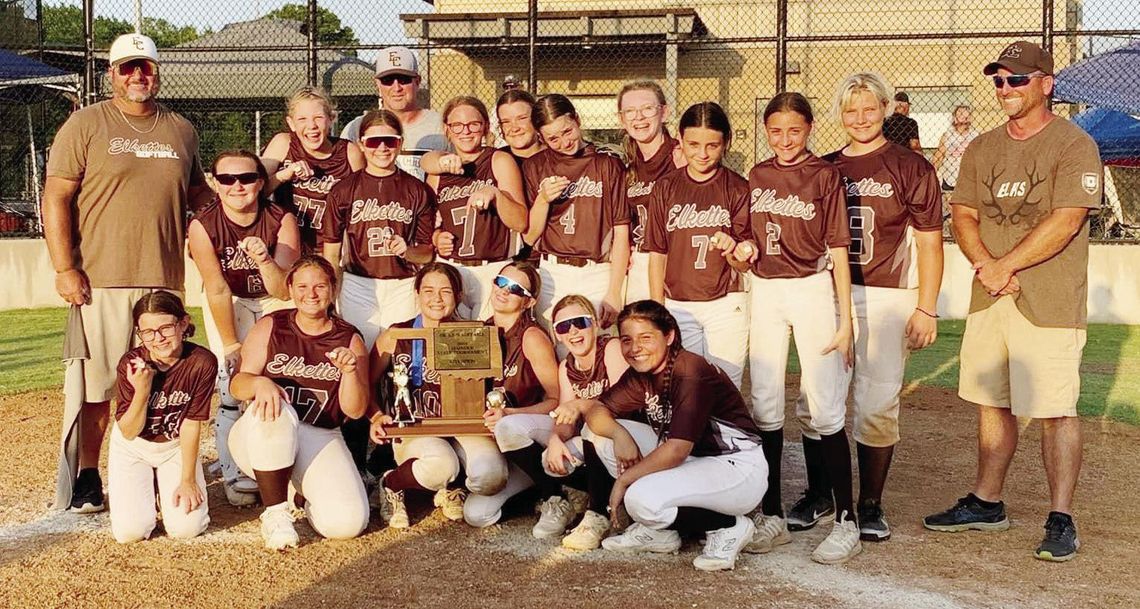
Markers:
{"x": 861, "y": 221}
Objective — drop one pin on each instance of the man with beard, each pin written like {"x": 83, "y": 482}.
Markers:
{"x": 121, "y": 176}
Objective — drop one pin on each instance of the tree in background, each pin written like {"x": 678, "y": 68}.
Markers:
{"x": 330, "y": 31}
{"x": 63, "y": 27}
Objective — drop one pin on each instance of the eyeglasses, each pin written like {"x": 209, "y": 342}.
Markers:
{"x": 166, "y": 331}
{"x": 632, "y": 113}
{"x": 512, "y": 286}
{"x": 387, "y": 141}
{"x": 127, "y": 68}
{"x": 1014, "y": 80}
{"x": 581, "y": 322}
{"x": 472, "y": 127}
{"x": 228, "y": 179}
{"x": 389, "y": 79}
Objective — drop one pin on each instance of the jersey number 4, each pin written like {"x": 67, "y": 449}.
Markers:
{"x": 567, "y": 220}
{"x": 465, "y": 216}
{"x": 861, "y": 221}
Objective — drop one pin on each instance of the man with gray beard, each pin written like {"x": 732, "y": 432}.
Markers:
{"x": 121, "y": 176}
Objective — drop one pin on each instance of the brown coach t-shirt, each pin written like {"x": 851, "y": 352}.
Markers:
{"x": 368, "y": 211}
{"x": 888, "y": 191}
{"x": 581, "y": 221}
{"x": 589, "y": 384}
{"x": 307, "y": 199}
{"x": 797, "y": 213}
{"x": 240, "y": 271}
{"x": 181, "y": 392}
{"x": 704, "y": 407}
{"x": 641, "y": 177}
{"x": 479, "y": 235}
{"x": 132, "y": 201}
{"x": 1014, "y": 185}
{"x": 297, "y": 363}
{"x": 683, "y": 216}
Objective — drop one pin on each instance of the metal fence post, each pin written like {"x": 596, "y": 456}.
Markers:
{"x": 312, "y": 58}
{"x": 531, "y": 39}
{"x": 782, "y": 45}
{"x": 1047, "y": 25}
{"x": 88, "y": 95}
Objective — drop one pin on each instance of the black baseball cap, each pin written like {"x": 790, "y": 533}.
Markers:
{"x": 902, "y": 97}
{"x": 1022, "y": 57}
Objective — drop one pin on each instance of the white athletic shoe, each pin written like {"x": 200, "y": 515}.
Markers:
{"x": 841, "y": 545}
{"x": 722, "y": 546}
{"x": 450, "y": 501}
{"x": 771, "y": 531}
{"x": 640, "y": 538}
{"x": 556, "y": 514}
{"x": 238, "y": 492}
{"x": 589, "y": 533}
{"x": 277, "y": 527}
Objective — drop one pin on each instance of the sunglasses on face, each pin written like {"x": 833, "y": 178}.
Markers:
{"x": 165, "y": 331}
{"x": 581, "y": 322}
{"x": 127, "y": 68}
{"x": 391, "y": 79}
{"x": 512, "y": 286}
{"x": 229, "y": 179}
{"x": 387, "y": 141}
{"x": 1014, "y": 80}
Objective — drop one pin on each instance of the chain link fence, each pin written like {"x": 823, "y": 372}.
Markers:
{"x": 229, "y": 66}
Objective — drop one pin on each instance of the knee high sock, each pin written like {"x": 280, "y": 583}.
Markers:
{"x": 529, "y": 459}
{"x": 382, "y": 459}
{"x": 599, "y": 484}
{"x": 837, "y": 462}
{"x": 403, "y": 478}
{"x": 818, "y": 484}
{"x": 273, "y": 485}
{"x": 772, "y": 443}
{"x": 355, "y": 434}
{"x": 694, "y": 520}
{"x": 874, "y": 463}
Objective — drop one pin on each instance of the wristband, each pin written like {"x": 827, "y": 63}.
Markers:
{"x": 927, "y": 313}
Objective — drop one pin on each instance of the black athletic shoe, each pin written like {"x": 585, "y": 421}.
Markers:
{"x": 809, "y": 510}
{"x": 87, "y": 494}
{"x": 1060, "y": 543}
{"x": 872, "y": 525}
{"x": 968, "y": 514}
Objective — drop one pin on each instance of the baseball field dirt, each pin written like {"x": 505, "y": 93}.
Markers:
{"x": 52, "y": 559}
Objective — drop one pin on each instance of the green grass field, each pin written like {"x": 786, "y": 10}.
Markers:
{"x": 31, "y": 341}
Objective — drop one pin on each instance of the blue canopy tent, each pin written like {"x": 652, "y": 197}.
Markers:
{"x": 1109, "y": 80}
{"x": 1117, "y": 135}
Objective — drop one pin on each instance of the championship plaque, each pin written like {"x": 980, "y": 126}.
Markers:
{"x": 464, "y": 354}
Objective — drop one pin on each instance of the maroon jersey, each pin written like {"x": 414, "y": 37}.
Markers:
{"x": 368, "y": 211}
{"x": 297, "y": 362}
{"x": 582, "y": 219}
{"x": 703, "y": 406}
{"x": 307, "y": 199}
{"x": 641, "y": 177}
{"x": 888, "y": 191}
{"x": 589, "y": 384}
{"x": 797, "y": 213}
{"x": 479, "y": 235}
{"x": 519, "y": 380}
{"x": 683, "y": 215}
{"x": 424, "y": 385}
{"x": 239, "y": 270}
{"x": 181, "y": 392}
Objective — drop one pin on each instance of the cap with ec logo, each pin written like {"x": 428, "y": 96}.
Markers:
{"x": 132, "y": 46}
{"x": 1022, "y": 57}
{"x": 396, "y": 60}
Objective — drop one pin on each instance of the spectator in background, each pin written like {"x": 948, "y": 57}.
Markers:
{"x": 948, "y": 158}
{"x": 899, "y": 127}
{"x": 398, "y": 83}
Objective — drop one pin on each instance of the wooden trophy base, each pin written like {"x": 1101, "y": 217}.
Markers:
{"x": 443, "y": 426}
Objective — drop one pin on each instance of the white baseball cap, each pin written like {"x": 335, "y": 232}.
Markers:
{"x": 396, "y": 60}
{"x": 132, "y": 46}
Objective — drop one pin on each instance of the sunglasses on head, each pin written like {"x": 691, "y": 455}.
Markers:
{"x": 390, "y": 79}
{"x": 1014, "y": 80}
{"x": 127, "y": 68}
{"x": 581, "y": 322}
{"x": 512, "y": 286}
{"x": 229, "y": 179}
{"x": 375, "y": 141}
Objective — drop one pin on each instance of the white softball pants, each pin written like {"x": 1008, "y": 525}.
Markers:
{"x": 371, "y": 305}
{"x": 637, "y": 279}
{"x": 717, "y": 330}
{"x": 438, "y": 460}
{"x": 803, "y": 308}
{"x": 323, "y": 470}
{"x": 246, "y": 313}
{"x": 881, "y": 315}
{"x": 728, "y": 484}
{"x": 558, "y": 280}
{"x": 477, "y": 283}
{"x": 132, "y": 466}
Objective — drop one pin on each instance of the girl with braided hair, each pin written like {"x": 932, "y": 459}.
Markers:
{"x": 678, "y": 438}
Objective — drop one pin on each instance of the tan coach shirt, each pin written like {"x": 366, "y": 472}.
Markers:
{"x": 132, "y": 201}
{"x": 1014, "y": 184}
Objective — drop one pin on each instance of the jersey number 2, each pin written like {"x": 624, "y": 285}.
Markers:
{"x": 465, "y": 216}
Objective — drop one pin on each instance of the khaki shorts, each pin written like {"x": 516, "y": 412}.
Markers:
{"x": 109, "y": 330}
{"x": 1007, "y": 362}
